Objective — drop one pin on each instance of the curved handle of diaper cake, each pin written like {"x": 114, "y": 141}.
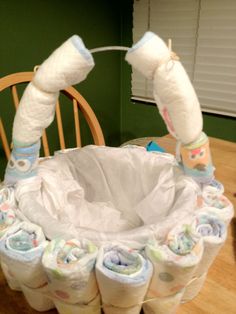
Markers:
{"x": 67, "y": 65}
{"x": 71, "y": 63}
{"x": 177, "y": 103}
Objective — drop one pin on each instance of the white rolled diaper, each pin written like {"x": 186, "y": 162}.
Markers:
{"x": 21, "y": 249}
{"x": 174, "y": 261}
{"x": 218, "y": 205}
{"x": 11, "y": 280}
{"x": 193, "y": 288}
{"x": 123, "y": 277}
{"x": 214, "y": 232}
{"x": 173, "y": 91}
{"x": 94, "y": 307}
{"x": 70, "y": 270}
{"x": 67, "y": 65}
{"x": 163, "y": 305}
{"x": 38, "y": 299}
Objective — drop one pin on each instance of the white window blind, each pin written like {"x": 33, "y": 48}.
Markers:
{"x": 203, "y": 34}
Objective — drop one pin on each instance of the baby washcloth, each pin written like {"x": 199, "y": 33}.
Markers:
{"x": 70, "y": 270}
{"x": 123, "y": 277}
{"x": 174, "y": 261}
{"x": 21, "y": 249}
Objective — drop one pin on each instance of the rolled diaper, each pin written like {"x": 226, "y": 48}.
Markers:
{"x": 193, "y": 288}
{"x": 123, "y": 277}
{"x": 70, "y": 268}
{"x": 174, "y": 261}
{"x": 173, "y": 91}
{"x": 214, "y": 232}
{"x": 163, "y": 305}
{"x": 38, "y": 299}
{"x": 67, "y": 65}
{"x": 7, "y": 219}
{"x": 7, "y": 196}
{"x": 21, "y": 249}
{"x": 196, "y": 159}
{"x": 94, "y": 307}
{"x": 218, "y": 205}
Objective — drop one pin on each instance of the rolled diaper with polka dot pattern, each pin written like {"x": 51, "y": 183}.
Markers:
{"x": 70, "y": 269}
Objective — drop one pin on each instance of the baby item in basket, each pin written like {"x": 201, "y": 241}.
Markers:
{"x": 218, "y": 205}
{"x": 173, "y": 91}
{"x": 70, "y": 268}
{"x": 123, "y": 277}
{"x": 177, "y": 102}
{"x": 7, "y": 219}
{"x": 21, "y": 249}
{"x": 68, "y": 65}
{"x": 174, "y": 263}
{"x": 23, "y": 163}
{"x": 196, "y": 159}
{"x": 214, "y": 232}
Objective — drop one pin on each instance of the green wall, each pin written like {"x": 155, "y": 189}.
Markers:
{"x": 30, "y": 30}
{"x": 138, "y": 120}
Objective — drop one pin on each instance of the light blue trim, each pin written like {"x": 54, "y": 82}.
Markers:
{"x": 146, "y": 37}
{"x": 79, "y": 45}
{"x": 21, "y": 144}
{"x": 26, "y": 150}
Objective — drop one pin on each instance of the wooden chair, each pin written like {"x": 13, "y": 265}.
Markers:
{"x": 11, "y": 81}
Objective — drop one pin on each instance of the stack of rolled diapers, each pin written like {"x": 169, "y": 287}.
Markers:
{"x": 78, "y": 276}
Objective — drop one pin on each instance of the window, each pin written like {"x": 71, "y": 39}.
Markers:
{"x": 203, "y": 34}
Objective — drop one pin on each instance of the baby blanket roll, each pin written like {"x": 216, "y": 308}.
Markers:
{"x": 174, "y": 264}
{"x": 214, "y": 232}
{"x": 123, "y": 277}
{"x": 21, "y": 249}
{"x": 70, "y": 268}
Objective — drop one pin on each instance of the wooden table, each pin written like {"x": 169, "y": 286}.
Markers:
{"x": 218, "y": 295}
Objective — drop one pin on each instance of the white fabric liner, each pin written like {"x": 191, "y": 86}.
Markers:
{"x": 105, "y": 193}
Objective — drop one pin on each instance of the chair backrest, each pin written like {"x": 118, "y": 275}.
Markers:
{"x": 11, "y": 81}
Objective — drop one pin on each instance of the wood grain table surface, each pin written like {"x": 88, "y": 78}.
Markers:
{"x": 218, "y": 295}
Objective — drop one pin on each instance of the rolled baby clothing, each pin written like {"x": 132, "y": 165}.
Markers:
{"x": 174, "y": 261}
{"x": 21, "y": 249}
{"x": 214, "y": 232}
{"x": 123, "y": 277}
{"x": 70, "y": 269}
